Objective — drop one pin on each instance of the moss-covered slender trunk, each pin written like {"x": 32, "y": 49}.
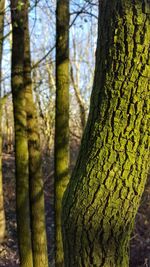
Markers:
{"x": 61, "y": 118}
{"x": 2, "y": 213}
{"x": 38, "y": 226}
{"x": 103, "y": 195}
{"x": 21, "y": 144}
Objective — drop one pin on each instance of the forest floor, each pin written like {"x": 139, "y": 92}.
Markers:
{"x": 9, "y": 250}
{"x": 140, "y": 241}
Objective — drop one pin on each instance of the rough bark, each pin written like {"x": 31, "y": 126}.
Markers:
{"x": 61, "y": 118}
{"x": 21, "y": 144}
{"x": 103, "y": 195}
{"x": 2, "y": 213}
{"x": 38, "y": 226}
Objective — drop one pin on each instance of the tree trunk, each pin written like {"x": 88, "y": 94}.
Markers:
{"x": 80, "y": 100}
{"x": 21, "y": 144}
{"x": 2, "y": 214}
{"x": 103, "y": 195}
{"x": 38, "y": 226}
{"x": 61, "y": 118}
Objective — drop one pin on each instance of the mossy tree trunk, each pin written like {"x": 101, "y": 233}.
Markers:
{"x": 103, "y": 195}
{"x": 38, "y": 226}
{"x": 61, "y": 118}
{"x": 2, "y": 213}
{"x": 21, "y": 143}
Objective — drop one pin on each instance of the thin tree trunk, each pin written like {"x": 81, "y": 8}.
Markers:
{"x": 103, "y": 195}
{"x": 2, "y": 213}
{"x": 38, "y": 226}
{"x": 61, "y": 118}
{"x": 21, "y": 143}
{"x": 79, "y": 100}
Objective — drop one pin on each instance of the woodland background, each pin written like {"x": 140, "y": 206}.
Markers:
{"x": 83, "y": 36}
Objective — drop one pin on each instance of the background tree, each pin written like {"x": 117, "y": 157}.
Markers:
{"x": 38, "y": 227}
{"x": 61, "y": 118}
{"x": 2, "y": 214}
{"x": 45, "y": 104}
{"x": 21, "y": 141}
{"x": 104, "y": 192}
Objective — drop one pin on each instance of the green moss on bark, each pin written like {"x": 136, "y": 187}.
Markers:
{"x": 21, "y": 144}
{"x": 61, "y": 119}
{"x": 103, "y": 195}
{"x": 36, "y": 191}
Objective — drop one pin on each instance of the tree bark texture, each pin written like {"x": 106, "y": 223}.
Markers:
{"x": 38, "y": 225}
{"x": 61, "y": 118}
{"x": 21, "y": 142}
{"x": 103, "y": 195}
{"x": 2, "y": 213}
